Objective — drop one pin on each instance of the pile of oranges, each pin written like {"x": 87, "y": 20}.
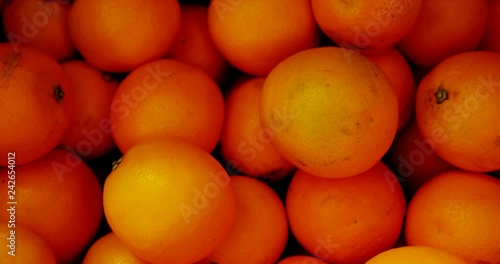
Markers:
{"x": 250, "y": 131}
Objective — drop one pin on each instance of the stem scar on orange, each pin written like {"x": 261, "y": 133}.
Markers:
{"x": 34, "y": 101}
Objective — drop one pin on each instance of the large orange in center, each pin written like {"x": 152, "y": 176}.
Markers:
{"x": 333, "y": 112}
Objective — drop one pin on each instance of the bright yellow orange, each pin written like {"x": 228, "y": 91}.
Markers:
{"x": 333, "y": 112}
{"x": 169, "y": 201}
{"x": 167, "y": 98}
{"x": 40, "y": 24}
{"x": 367, "y": 26}
{"x": 89, "y": 130}
{"x": 416, "y": 255}
{"x": 34, "y": 97}
{"x": 119, "y": 36}
{"x": 108, "y": 249}
{"x": 443, "y": 30}
{"x": 457, "y": 211}
{"x": 244, "y": 141}
{"x": 347, "y": 220}
{"x": 456, "y": 104}
{"x": 399, "y": 73}
{"x": 24, "y": 246}
{"x": 194, "y": 44}
{"x": 260, "y": 229}
{"x": 58, "y": 198}
{"x": 254, "y": 36}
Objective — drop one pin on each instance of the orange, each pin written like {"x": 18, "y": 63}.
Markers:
{"x": 40, "y": 24}
{"x": 301, "y": 260}
{"x": 491, "y": 38}
{"x": 347, "y": 220}
{"x": 260, "y": 229}
{"x": 59, "y": 198}
{"x": 457, "y": 211}
{"x": 414, "y": 158}
{"x": 108, "y": 249}
{"x": 169, "y": 201}
{"x": 34, "y": 100}
{"x": 194, "y": 45}
{"x": 244, "y": 141}
{"x": 254, "y": 36}
{"x": 333, "y": 112}
{"x": 400, "y": 74}
{"x": 443, "y": 30}
{"x": 416, "y": 255}
{"x": 456, "y": 105}
{"x": 24, "y": 246}
{"x": 119, "y": 36}
{"x": 89, "y": 131}
{"x": 368, "y": 26}
{"x": 167, "y": 98}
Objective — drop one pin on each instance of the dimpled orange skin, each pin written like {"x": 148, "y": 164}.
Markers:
{"x": 457, "y": 211}
{"x": 60, "y": 199}
{"x": 443, "y": 30}
{"x": 254, "y": 36}
{"x": 109, "y": 249}
{"x": 455, "y": 105}
{"x": 35, "y": 100}
{"x": 29, "y": 247}
{"x": 167, "y": 98}
{"x": 260, "y": 230}
{"x": 169, "y": 201}
{"x": 244, "y": 141}
{"x": 369, "y": 26}
{"x": 347, "y": 220}
{"x": 334, "y": 113}
{"x": 416, "y": 255}
{"x": 121, "y": 35}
